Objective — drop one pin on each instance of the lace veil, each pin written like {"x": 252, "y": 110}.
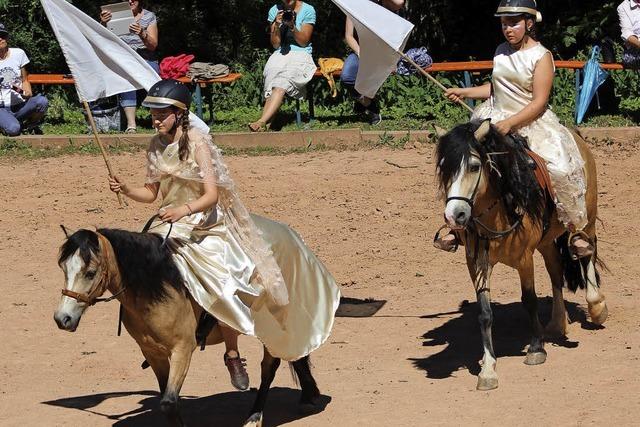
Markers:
{"x": 204, "y": 164}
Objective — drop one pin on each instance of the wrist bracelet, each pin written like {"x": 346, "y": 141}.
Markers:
{"x": 189, "y": 207}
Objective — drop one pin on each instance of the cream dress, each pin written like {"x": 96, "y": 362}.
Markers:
{"x": 234, "y": 263}
{"x": 512, "y": 82}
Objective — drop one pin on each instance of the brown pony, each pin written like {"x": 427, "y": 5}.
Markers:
{"x": 158, "y": 311}
{"x": 503, "y": 216}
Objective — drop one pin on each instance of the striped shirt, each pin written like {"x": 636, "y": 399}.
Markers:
{"x": 133, "y": 40}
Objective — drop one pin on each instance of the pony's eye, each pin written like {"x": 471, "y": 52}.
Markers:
{"x": 90, "y": 275}
{"x": 474, "y": 168}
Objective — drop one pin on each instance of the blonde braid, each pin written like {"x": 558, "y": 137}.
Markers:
{"x": 183, "y": 144}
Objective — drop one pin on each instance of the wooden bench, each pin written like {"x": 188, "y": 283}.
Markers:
{"x": 61, "y": 79}
{"x": 467, "y": 68}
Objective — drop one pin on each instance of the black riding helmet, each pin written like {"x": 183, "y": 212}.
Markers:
{"x": 519, "y": 7}
{"x": 168, "y": 93}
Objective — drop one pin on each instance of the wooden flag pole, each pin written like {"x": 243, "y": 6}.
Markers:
{"x": 102, "y": 150}
{"x": 433, "y": 79}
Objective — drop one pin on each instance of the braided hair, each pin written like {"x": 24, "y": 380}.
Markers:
{"x": 183, "y": 144}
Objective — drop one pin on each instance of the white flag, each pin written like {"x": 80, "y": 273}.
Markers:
{"x": 381, "y": 35}
{"x": 102, "y": 64}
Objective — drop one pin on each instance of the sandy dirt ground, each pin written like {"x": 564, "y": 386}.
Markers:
{"x": 413, "y": 363}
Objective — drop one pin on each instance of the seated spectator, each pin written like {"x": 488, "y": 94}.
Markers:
{"x": 19, "y": 109}
{"x": 629, "y": 16}
{"x": 362, "y": 104}
{"x": 291, "y": 66}
{"x": 143, "y": 38}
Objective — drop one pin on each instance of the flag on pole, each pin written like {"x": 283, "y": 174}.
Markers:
{"x": 381, "y": 35}
{"x": 101, "y": 63}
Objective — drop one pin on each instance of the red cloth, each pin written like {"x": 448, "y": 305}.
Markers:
{"x": 173, "y": 67}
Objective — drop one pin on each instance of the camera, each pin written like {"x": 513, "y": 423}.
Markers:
{"x": 288, "y": 15}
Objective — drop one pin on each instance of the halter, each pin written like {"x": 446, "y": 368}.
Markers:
{"x": 100, "y": 286}
{"x": 471, "y": 199}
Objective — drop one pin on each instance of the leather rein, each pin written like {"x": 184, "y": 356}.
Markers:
{"x": 98, "y": 288}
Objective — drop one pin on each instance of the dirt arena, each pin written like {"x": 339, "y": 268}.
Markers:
{"x": 371, "y": 222}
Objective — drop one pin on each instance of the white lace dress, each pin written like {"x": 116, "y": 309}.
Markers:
{"x": 512, "y": 82}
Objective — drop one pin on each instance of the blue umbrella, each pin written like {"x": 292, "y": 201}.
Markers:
{"x": 594, "y": 76}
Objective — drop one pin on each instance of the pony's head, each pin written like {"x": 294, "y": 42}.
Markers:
{"x": 87, "y": 270}
{"x": 473, "y": 161}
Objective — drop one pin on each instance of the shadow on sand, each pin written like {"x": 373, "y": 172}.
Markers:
{"x": 225, "y": 409}
{"x": 461, "y": 336}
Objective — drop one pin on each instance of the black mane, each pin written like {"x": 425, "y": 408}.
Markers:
{"x": 146, "y": 266}
{"x": 512, "y": 175}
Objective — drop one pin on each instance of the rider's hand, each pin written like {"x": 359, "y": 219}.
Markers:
{"x": 116, "y": 185}
{"x": 455, "y": 94}
{"x": 173, "y": 214}
{"x": 105, "y": 16}
{"x": 504, "y": 127}
{"x": 26, "y": 93}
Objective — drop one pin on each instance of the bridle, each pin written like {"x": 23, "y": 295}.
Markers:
{"x": 99, "y": 286}
{"x": 488, "y": 233}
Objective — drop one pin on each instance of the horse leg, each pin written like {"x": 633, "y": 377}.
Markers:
{"x": 536, "y": 354}
{"x": 488, "y": 378}
{"x": 558, "y": 324}
{"x": 598, "y": 311}
{"x": 160, "y": 367}
{"x": 179, "y": 362}
{"x": 268, "y": 368}
{"x": 310, "y": 392}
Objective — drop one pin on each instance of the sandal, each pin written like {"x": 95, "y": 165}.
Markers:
{"x": 444, "y": 243}
{"x": 237, "y": 371}
{"x": 257, "y": 126}
{"x": 131, "y": 130}
{"x": 580, "y": 251}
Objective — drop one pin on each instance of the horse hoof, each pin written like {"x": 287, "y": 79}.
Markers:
{"x": 537, "y": 358}
{"x": 487, "y": 383}
{"x": 255, "y": 420}
{"x": 598, "y": 312}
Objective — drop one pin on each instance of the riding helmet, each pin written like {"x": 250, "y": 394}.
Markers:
{"x": 519, "y": 7}
{"x": 168, "y": 93}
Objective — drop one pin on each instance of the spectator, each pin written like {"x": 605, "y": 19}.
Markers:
{"x": 143, "y": 38}
{"x": 362, "y": 105}
{"x": 629, "y": 15}
{"x": 19, "y": 109}
{"x": 291, "y": 66}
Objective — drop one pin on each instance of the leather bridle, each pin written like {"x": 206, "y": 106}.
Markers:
{"x": 99, "y": 286}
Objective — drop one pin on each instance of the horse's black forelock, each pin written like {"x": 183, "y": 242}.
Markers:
{"x": 454, "y": 149}
{"x": 146, "y": 266}
{"x": 515, "y": 182}
{"x": 84, "y": 240}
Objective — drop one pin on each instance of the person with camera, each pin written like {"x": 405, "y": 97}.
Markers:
{"x": 291, "y": 66}
{"x": 19, "y": 108}
{"x": 143, "y": 38}
{"x": 362, "y": 104}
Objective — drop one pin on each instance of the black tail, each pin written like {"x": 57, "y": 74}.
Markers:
{"x": 575, "y": 271}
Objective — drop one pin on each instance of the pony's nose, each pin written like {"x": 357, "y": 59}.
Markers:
{"x": 62, "y": 320}
{"x": 461, "y": 218}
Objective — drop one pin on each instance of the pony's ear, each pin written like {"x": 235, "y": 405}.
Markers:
{"x": 481, "y": 133}
{"x": 439, "y": 131}
{"x": 65, "y": 231}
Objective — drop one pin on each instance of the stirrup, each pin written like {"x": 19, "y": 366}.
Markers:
{"x": 577, "y": 253}
{"x": 447, "y": 246}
